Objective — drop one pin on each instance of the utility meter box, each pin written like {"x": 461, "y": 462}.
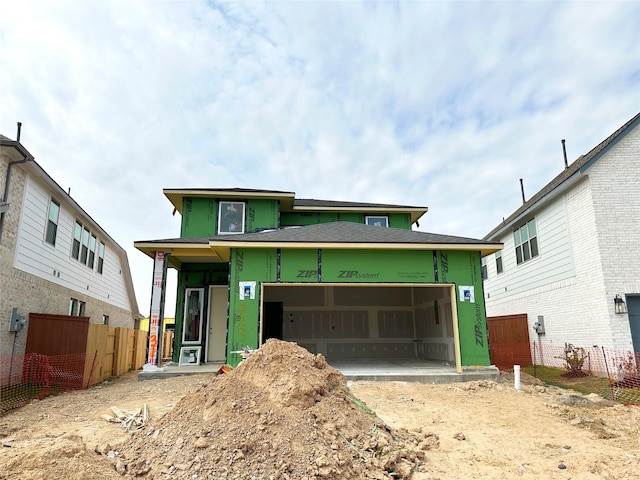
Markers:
{"x": 539, "y": 325}
{"x": 17, "y": 321}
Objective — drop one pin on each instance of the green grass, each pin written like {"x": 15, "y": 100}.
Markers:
{"x": 586, "y": 385}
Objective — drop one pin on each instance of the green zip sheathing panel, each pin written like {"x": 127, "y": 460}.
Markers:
{"x": 299, "y": 266}
{"x": 199, "y": 217}
{"x": 400, "y": 220}
{"x": 247, "y": 265}
{"x": 290, "y": 219}
{"x": 261, "y": 214}
{"x": 373, "y": 266}
{"x": 463, "y": 269}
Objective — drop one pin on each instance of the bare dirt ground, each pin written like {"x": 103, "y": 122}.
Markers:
{"x": 276, "y": 419}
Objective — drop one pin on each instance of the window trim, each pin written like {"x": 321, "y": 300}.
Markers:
{"x": 228, "y": 220}
{"x": 101, "y": 250}
{"x": 499, "y": 263}
{"x": 76, "y": 241}
{"x": 367, "y": 218}
{"x": 198, "y": 311}
{"x": 50, "y": 222}
{"x": 524, "y": 249}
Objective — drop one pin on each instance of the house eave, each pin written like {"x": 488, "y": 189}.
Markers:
{"x": 535, "y": 207}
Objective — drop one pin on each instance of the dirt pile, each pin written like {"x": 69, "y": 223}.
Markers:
{"x": 284, "y": 413}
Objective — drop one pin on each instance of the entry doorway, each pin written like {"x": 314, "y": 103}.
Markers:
{"x": 217, "y": 328}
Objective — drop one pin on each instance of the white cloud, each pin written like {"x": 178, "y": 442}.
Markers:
{"x": 438, "y": 104}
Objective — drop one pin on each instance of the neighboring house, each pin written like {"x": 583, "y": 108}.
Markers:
{"x": 572, "y": 252}
{"x": 348, "y": 280}
{"x": 54, "y": 258}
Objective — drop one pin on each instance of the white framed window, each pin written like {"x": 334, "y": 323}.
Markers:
{"x": 231, "y": 218}
{"x": 525, "y": 239}
{"x": 192, "y": 324}
{"x": 499, "y": 267}
{"x": 77, "y": 239}
{"x": 378, "y": 221}
{"x": 77, "y": 307}
{"x": 100, "y": 258}
{"x": 84, "y": 248}
{"x": 52, "y": 222}
{"x": 92, "y": 251}
{"x": 189, "y": 356}
{"x": 105, "y": 319}
{"x": 483, "y": 268}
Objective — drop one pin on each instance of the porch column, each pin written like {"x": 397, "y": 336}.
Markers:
{"x": 156, "y": 315}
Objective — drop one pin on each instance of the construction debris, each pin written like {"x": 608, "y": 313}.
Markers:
{"x": 130, "y": 420}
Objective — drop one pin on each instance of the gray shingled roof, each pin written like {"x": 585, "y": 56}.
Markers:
{"x": 308, "y": 202}
{"x": 335, "y": 232}
{"x": 577, "y": 166}
{"x": 230, "y": 190}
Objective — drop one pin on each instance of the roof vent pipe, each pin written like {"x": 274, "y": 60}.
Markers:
{"x": 564, "y": 151}
{"x": 18, "y": 134}
{"x": 522, "y": 191}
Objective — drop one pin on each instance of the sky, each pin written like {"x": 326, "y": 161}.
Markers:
{"x": 445, "y": 105}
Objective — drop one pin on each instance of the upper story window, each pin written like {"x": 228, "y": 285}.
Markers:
{"x": 525, "y": 239}
{"x": 52, "y": 223}
{"x": 100, "y": 258}
{"x": 378, "y": 221}
{"x": 92, "y": 251}
{"x": 483, "y": 268}
{"x": 84, "y": 245}
{"x": 499, "y": 267}
{"x": 231, "y": 218}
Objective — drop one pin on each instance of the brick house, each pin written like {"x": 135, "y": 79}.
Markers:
{"x": 349, "y": 280}
{"x": 571, "y": 255}
{"x": 54, "y": 258}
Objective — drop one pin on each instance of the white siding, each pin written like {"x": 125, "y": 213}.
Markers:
{"x": 553, "y": 264}
{"x": 55, "y": 264}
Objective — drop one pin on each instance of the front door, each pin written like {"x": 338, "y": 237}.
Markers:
{"x": 217, "y": 330}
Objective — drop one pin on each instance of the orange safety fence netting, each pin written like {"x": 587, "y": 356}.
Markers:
{"x": 25, "y": 377}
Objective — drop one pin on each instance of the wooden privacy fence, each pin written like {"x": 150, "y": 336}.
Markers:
{"x": 112, "y": 351}
{"x": 509, "y": 340}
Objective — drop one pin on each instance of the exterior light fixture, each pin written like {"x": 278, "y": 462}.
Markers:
{"x": 619, "y": 305}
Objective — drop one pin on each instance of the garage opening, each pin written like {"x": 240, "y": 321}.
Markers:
{"x": 371, "y": 321}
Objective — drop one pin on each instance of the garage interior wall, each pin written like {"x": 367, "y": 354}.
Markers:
{"x": 366, "y": 321}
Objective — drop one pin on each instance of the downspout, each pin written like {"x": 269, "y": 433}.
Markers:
{"x": 26, "y": 157}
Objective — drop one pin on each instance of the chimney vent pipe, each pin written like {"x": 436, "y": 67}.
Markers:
{"x": 564, "y": 151}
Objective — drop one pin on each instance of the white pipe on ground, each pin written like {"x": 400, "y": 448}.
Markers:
{"x": 516, "y": 377}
